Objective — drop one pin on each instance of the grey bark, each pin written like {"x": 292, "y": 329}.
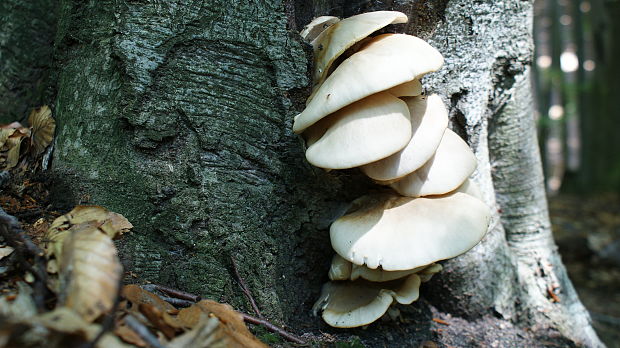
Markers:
{"x": 26, "y": 36}
{"x": 178, "y": 115}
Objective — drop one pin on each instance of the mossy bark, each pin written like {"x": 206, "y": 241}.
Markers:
{"x": 178, "y": 115}
{"x": 26, "y": 36}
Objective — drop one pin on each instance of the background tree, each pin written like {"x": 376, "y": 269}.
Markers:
{"x": 178, "y": 115}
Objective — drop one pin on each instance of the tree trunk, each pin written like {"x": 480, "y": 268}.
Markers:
{"x": 26, "y": 36}
{"x": 178, "y": 115}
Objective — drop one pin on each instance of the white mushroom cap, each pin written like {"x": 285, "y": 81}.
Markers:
{"x": 429, "y": 120}
{"x": 400, "y": 233}
{"x": 447, "y": 169}
{"x": 317, "y": 26}
{"x": 363, "y": 132}
{"x": 471, "y": 188}
{"x": 340, "y": 268}
{"x": 333, "y": 41}
{"x": 386, "y": 61}
{"x": 407, "y": 89}
{"x": 357, "y": 303}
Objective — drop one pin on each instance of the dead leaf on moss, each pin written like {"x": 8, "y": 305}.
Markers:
{"x": 43, "y": 126}
{"x": 90, "y": 271}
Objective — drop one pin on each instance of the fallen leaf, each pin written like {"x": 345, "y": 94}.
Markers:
{"x": 43, "y": 126}
{"x": 232, "y": 330}
{"x": 90, "y": 271}
{"x": 137, "y": 296}
{"x": 110, "y": 223}
{"x": 204, "y": 335}
{"x": 128, "y": 335}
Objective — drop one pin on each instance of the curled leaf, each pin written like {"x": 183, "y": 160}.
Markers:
{"x": 90, "y": 271}
{"x": 43, "y": 127}
{"x": 110, "y": 223}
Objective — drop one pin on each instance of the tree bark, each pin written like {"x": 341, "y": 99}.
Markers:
{"x": 178, "y": 115}
{"x": 26, "y": 36}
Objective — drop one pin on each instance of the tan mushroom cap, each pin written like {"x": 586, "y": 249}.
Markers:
{"x": 336, "y": 39}
{"x": 407, "y": 89}
{"x": 357, "y": 303}
{"x": 386, "y": 61}
{"x": 317, "y": 26}
{"x": 447, "y": 169}
{"x": 400, "y": 233}
{"x": 429, "y": 120}
{"x": 363, "y": 132}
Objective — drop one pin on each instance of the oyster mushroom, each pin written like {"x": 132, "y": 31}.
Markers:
{"x": 363, "y": 132}
{"x": 386, "y": 61}
{"x": 447, "y": 169}
{"x": 401, "y": 233}
{"x": 429, "y": 120}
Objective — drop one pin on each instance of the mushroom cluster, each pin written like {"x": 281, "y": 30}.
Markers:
{"x": 368, "y": 110}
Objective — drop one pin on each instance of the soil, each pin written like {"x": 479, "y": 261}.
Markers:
{"x": 587, "y": 231}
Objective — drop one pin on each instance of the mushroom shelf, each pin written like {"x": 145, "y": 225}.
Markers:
{"x": 368, "y": 110}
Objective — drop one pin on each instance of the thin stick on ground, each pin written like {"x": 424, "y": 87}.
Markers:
{"x": 172, "y": 292}
{"x": 245, "y": 289}
{"x": 269, "y": 326}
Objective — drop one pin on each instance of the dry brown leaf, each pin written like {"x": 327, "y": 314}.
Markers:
{"x": 110, "y": 223}
{"x": 204, "y": 335}
{"x": 43, "y": 126}
{"x": 13, "y": 146}
{"x": 90, "y": 271}
{"x": 59, "y": 328}
{"x": 128, "y": 335}
{"x": 187, "y": 317}
{"x": 232, "y": 329}
{"x": 137, "y": 296}
{"x": 155, "y": 317}
{"x": 5, "y": 133}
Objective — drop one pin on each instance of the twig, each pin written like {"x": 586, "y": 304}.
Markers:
{"x": 142, "y": 331}
{"x": 177, "y": 302}
{"x": 25, "y": 248}
{"x": 172, "y": 292}
{"x": 245, "y": 289}
{"x": 269, "y": 326}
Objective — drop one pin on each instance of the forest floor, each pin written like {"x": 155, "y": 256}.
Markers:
{"x": 587, "y": 231}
